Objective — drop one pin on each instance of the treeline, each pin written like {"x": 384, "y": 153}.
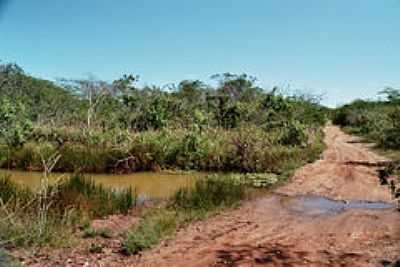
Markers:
{"x": 118, "y": 126}
{"x": 377, "y": 120}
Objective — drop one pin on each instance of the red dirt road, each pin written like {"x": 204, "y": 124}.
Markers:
{"x": 265, "y": 232}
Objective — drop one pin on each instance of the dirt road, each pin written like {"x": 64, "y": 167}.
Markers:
{"x": 296, "y": 225}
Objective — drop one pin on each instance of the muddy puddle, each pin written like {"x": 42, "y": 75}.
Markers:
{"x": 317, "y": 205}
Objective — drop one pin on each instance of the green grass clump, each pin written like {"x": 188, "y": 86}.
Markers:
{"x": 89, "y": 232}
{"x": 150, "y": 231}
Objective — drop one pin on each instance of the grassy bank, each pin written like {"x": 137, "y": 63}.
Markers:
{"x": 73, "y": 204}
{"x": 207, "y": 197}
{"x": 50, "y": 216}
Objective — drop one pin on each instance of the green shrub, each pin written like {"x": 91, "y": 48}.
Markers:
{"x": 390, "y": 138}
{"x": 89, "y": 232}
{"x": 294, "y": 134}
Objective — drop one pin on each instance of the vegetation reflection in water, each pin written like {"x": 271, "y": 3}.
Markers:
{"x": 148, "y": 185}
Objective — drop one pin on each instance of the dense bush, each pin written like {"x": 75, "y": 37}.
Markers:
{"x": 15, "y": 126}
{"x": 245, "y": 149}
{"x": 98, "y": 126}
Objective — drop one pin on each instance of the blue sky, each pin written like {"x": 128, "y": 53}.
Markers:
{"x": 344, "y": 49}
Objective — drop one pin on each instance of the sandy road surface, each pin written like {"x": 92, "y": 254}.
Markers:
{"x": 270, "y": 232}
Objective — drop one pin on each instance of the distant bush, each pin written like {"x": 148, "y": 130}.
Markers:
{"x": 391, "y": 138}
{"x": 378, "y": 121}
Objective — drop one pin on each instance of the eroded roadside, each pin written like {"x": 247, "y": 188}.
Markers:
{"x": 268, "y": 232}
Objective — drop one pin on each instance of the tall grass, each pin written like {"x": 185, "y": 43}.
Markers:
{"x": 94, "y": 199}
{"x": 12, "y": 193}
{"x": 67, "y": 205}
{"x": 208, "y": 194}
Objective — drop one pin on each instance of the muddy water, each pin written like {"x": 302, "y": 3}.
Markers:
{"x": 148, "y": 185}
{"x": 317, "y": 205}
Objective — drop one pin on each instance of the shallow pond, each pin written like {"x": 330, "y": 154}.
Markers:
{"x": 148, "y": 185}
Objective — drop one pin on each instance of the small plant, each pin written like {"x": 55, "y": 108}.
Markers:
{"x": 95, "y": 248}
{"x": 149, "y": 231}
{"x": 104, "y": 232}
{"x": 89, "y": 232}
